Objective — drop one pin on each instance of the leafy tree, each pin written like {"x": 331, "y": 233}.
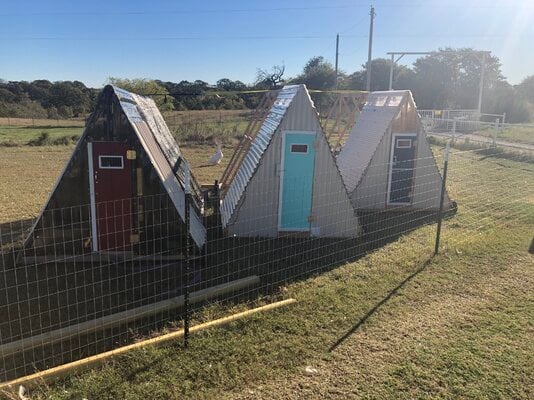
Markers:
{"x": 317, "y": 74}
{"x": 450, "y": 78}
{"x": 147, "y": 87}
{"x": 380, "y": 68}
{"x": 231, "y": 86}
{"x": 503, "y": 98}
{"x": 526, "y": 88}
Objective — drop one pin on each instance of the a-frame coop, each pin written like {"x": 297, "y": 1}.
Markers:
{"x": 122, "y": 191}
{"x": 387, "y": 163}
{"x": 283, "y": 179}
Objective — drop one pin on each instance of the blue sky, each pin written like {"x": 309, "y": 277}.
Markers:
{"x": 208, "y": 40}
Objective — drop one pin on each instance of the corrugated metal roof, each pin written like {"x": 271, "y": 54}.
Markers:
{"x": 379, "y": 111}
{"x": 258, "y": 147}
{"x": 163, "y": 151}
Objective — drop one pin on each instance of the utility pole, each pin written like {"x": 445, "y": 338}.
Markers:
{"x": 481, "y": 84}
{"x": 391, "y": 66}
{"x": 370, "y": 55}
{"x": 337, "y": 55}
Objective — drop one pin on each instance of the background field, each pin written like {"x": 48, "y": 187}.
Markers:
{"x": 204, "y": 126}
{"x": 406, "y": 325}
{"x": 516, "y": 134}
{"x": 27, "y": 174}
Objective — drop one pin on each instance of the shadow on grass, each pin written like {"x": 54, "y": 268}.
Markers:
{"x": 378, "y": 305}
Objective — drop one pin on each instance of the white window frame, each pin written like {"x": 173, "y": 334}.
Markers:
{"x": 110, "y": 156}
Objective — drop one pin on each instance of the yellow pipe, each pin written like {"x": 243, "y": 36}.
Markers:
{"x": 93, "y": 361}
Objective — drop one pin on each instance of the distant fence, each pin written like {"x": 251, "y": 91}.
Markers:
{"x": 42, "y": 122}
{"x": 60, "y": 302}
{"x": 466, "y": 120}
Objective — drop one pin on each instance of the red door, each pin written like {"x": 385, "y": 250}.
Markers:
{"x": 111, "y": 193}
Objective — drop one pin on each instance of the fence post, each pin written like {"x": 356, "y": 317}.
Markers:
{"x": 442, "y": 196}
{"x": 495, "y": 130}
{"x": 454, "y": 129}
{"x": 187, "y": 260}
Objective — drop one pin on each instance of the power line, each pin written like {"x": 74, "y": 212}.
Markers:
{"x": 170, "y": 38}
{"x": 250, "y": 10}
{"x": 217, "y": 38}
{"x": 204, "y": 11}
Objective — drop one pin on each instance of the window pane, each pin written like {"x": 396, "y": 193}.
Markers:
{"x": 110, "y": 161}
{"x": 299, "y": 148}
{"x": 404, "y": 143}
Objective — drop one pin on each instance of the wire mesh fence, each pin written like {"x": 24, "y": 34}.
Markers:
{"x": 60, "y": 300}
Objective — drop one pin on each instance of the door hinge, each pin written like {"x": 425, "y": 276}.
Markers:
{"x": 131, "y": 155}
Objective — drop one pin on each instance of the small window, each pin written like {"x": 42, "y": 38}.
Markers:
{"x": 110, "y": 162}
{"x": 299, "y": 148}
{"x": 404, "y": 143}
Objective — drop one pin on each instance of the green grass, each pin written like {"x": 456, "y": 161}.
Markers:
{"x": 455, "y": 326}
{"x": 23, "y": 134}
{"x": 517, "y": 134}
{"x": 485, "y": 149}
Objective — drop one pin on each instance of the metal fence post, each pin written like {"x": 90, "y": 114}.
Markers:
{"x": 187, "y": 256}
{"x": 442, "y": 197}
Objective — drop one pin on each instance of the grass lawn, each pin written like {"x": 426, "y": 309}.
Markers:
{"x": 406, "y": 325}
{"x": 23, "y": 134}
{"x": 27, "y": 174}
{"x": 198, "y": 126}
{"x": 517, "y": 134}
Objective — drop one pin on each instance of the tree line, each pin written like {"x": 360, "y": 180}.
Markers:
{"x": 445, "y": 79}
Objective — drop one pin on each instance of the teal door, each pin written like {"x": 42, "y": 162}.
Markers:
{"x": 298, "y": 163}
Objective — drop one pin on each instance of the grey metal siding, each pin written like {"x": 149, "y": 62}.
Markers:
{"x": 364, "y": 138}
{"x": 372, "y": 190}
{"x": 257, "y": 212}
{"x": 251, "y": 161}
{"x": 428, "y": 180}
